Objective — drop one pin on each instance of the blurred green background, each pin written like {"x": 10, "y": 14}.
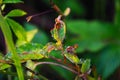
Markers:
{"x": 92, "y": 24}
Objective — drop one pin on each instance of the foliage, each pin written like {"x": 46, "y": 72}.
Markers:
{"x": 83, "y": 43}
{"x": 26, "y": 52}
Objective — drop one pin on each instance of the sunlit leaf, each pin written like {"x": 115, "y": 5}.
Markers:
{"x": 4, "y": 66}
{"x": 85, "y": 66}
{"x": 32, "y": 55}
{"x": 17, "y": 29}
{"x": 7, "y": 33}
{"x": 3, "y": 7}
{"x": 30, "y": 51}
{"x": 31, "y": 34}
{"x": 72, "y": 58}
{"x": 29, "y": 47}
{"x": 9, "y": 41}
{"x": 35, "y": 35}
{"x": 16, "y": 13}
{"x": 12, "y": 1}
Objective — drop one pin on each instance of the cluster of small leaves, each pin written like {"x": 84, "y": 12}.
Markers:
{"x": 28, "y": 51}
{"x": 34, "y": 51}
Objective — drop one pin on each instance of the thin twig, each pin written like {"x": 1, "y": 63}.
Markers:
{"x": 56, "y": 8}
{"x": 56, "y": 64}
{"x": 42, "y": 13}
{"x": 61, "y": 62}
{"x": 30, "y": 17}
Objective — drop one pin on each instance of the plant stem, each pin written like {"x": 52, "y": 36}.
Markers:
{"x": 9, "y": 42}
{"x": 56, "y": 64}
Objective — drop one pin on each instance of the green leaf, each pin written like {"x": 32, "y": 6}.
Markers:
{"x": 32, "y": 55}
{"x": 54, "y": 33}
{"x": 73, "y": 58}
{"x": 59, "y": 31}
{"x": 4, "y": 66}
{"x": 89, "y": 34}
{"x": 31, "y": 34}
{"x": 30, "y": 51}
{"x": 12, "y": 1}
{"x": 35, "y": 35}
{"x": 62, "y": 32}
{"x": 9, "y": 41}
{"x": 56, "y": 54}
{"x": 85, "y": 66}
{"x": 16, "y": 13}
{"x": 29, "y": 47}
{"x": 17, "y": 29}
{"x": 108, "y": 60}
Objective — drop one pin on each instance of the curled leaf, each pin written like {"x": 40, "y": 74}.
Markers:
{"x": 59, "y": 30}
